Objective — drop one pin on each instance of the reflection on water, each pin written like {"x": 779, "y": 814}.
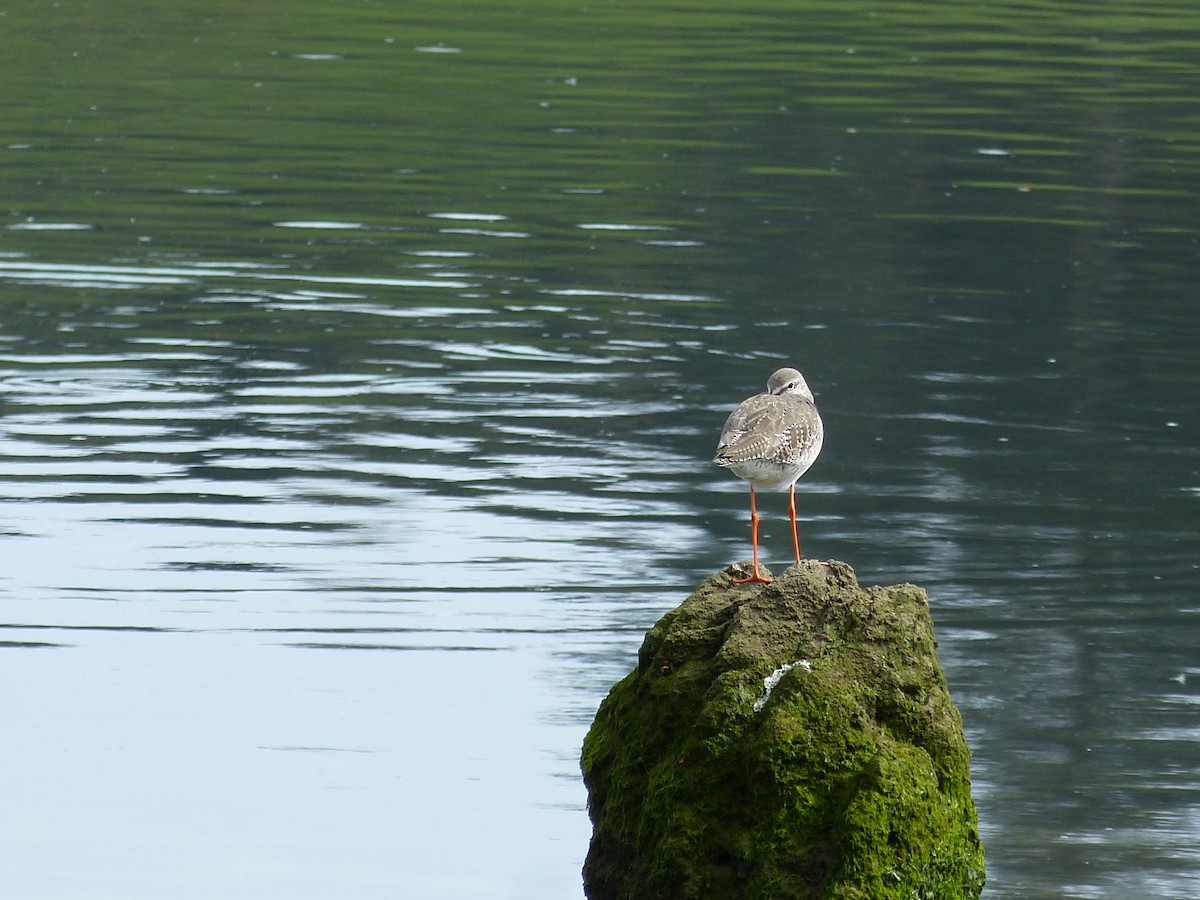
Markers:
{"x": 349, "y": 450}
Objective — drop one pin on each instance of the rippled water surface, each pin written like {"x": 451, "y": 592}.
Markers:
{"x": 360, "y": 369}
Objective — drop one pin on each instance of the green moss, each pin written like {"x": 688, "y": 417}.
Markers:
{"x": 851, "y": 780}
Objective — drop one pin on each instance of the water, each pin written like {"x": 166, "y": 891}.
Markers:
{"x": 360, "y": 371}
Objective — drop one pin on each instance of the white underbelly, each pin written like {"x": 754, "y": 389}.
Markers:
{"x": 766, "y": 475}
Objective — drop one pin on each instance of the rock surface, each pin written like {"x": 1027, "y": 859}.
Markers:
{"x": 789, "y": 740}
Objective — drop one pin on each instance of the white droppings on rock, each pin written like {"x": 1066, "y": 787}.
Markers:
{"x": 773, "y": 679}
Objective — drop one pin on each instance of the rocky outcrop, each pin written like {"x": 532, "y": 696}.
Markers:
{"x": 789, "y": 740}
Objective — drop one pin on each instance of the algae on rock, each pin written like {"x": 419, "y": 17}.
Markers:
{"x": 789, "y": 740}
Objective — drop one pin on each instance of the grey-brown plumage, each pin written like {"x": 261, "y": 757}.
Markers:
{"x": 770, "y": 440}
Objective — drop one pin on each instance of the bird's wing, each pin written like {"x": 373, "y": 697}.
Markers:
{"x": 747, "y": 434}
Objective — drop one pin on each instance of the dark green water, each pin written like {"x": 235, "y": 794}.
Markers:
{"x": 361, "y": 365}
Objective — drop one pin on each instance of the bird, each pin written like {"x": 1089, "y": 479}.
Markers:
{"x": 770, "y": 440}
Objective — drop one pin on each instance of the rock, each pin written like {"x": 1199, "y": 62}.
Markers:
{"x": 789, "y": 740}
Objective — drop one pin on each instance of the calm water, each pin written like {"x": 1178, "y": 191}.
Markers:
{"x": 360, "y": 370}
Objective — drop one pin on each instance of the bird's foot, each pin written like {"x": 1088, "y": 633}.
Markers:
{"x": 757, "y": 577}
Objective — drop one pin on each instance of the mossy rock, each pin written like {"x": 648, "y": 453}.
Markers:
{"x": 788, "y": 740}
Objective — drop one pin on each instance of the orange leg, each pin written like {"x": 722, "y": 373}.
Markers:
{"x": 756, "y": 578}
{"x": 792, "y": 513}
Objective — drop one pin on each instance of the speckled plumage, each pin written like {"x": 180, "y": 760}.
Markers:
{"x": 770, "y": 440}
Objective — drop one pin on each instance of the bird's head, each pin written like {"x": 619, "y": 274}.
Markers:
{"x": 789, "y": 381}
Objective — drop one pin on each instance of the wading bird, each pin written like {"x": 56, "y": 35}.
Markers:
{"x": 770, "y": 440}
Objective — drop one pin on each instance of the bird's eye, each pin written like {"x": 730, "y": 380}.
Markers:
{"x": 791, "y": 386}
